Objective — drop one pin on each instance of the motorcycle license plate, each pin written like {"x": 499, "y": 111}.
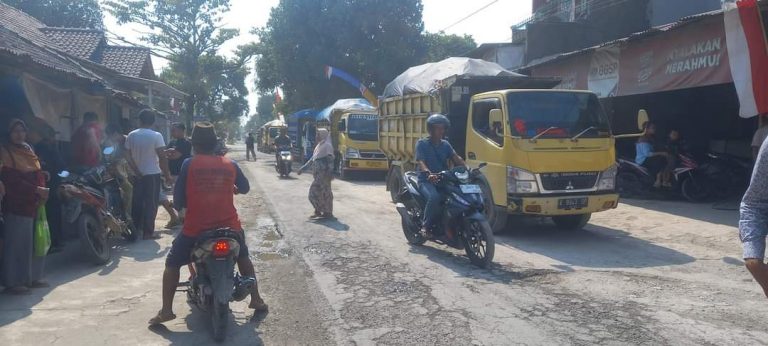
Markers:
{"x": 572, "y": 203}
{"x": 470, "y": 188}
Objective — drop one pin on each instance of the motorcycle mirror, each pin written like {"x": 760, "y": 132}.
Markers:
{"x": 482, "y": 165}
{"x": 108, "y": 150}
{"x": 63, "y": 174}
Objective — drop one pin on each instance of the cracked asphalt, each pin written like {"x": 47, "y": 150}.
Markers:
{"x": 647, "y": 273}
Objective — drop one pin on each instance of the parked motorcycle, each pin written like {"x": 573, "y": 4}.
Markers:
{"x": 283, "y": 166}
{"x": 463, "y": 225}
{"x": 727, "y": 175}
{"x": 688, "y": 179}
{"x": 93, "y": 203}
{"x": 213, "y": 281}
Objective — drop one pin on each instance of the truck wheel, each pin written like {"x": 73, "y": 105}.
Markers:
{"x": 395, "y": 184}
{"x": 497, "y": 217}
{"x": 571, "y": 222}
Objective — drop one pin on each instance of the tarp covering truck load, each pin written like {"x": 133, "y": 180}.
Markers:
{"x": 548, "y": 152}
{"x": 354, "y": 129}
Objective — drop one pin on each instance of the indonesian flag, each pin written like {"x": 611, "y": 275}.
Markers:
{"x": 748, "y": 55}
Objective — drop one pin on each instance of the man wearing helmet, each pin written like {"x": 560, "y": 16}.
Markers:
{"x": 433, "y": 155}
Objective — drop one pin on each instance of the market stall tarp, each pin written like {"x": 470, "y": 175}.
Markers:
{"x": 682, "y": 55}
{"x": 346, "y": 104}
{"x": 424, "y": 79}
{"x": 50, "y": 103}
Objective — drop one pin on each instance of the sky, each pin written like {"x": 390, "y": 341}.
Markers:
{"x": 490, "y": 25}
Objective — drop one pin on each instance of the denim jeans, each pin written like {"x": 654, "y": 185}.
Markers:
{"x": 434, "y": 199}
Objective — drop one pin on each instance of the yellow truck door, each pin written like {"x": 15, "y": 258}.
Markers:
{"x": 485, "y": 143}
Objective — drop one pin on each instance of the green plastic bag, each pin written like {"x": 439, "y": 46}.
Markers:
{"x": 42, "y": 239}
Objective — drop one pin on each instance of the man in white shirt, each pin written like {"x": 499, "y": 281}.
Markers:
{"x": 146, "y": 154}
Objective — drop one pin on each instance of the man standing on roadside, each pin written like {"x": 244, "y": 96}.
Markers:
{"x": 86, "y": 142}
{"x": 753, "y": 222}
{"x": 146, "y": 154}
{"x": 179, "y": 149}
{"x": 250, "y": 144}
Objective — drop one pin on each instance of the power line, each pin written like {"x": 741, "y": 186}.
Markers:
{"x": 471, "y": 14}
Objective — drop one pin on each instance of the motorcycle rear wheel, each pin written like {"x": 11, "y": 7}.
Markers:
{"x": 411, "y": 227}
{"x": 219, "y": 319}
{"x": 479, "y": 243}
{"x": 94, "y": 239}
{"x": 694, "y": 190}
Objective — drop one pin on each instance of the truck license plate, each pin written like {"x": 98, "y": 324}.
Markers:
{"x": 470, "y": 188}
{"x": 374, "y": 164}
{"x": 572, "y": 203}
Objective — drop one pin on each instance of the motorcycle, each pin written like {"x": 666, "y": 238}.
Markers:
{"x": 634, "y": 180}
{"x": 463, "y": 225}
{"x": 213, "y": 282}
{"x": 283, "y": 166}
{"x": 727, "y": 175}
{"x": 93, "y": 203}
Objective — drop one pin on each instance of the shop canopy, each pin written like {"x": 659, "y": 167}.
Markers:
{"x": 302, "y": 114}
{"x": 274, "y": 123}
{"x": 424, "y": 79}
{"x": 346, "y": 104}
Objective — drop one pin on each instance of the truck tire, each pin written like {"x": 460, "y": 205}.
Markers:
{"x": 395, "y": 183}
{"x": 571, "y": 222}
{"x": 497, "y": 217}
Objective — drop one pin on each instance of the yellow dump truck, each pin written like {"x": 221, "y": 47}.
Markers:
{"x": 267, "y": 134}
{"x": 354, "y": 125}
{"x": 550, "y": 153}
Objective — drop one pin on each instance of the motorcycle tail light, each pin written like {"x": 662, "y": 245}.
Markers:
{"x": 221, "y": 248}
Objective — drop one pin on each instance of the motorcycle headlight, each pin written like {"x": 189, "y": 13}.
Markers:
{"x": 608, "y": 179}
{"x": 352, "y": 153}
{"x": 463, "y": 176}
{"x": 521, "y": 181}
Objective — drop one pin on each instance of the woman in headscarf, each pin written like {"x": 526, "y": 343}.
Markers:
{"x": 25, "y": 192}
{"x": 320, "y": 194}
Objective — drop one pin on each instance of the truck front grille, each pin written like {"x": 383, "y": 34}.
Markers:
{"x": 372, "y": 155}
{"x": 568, "y": 181}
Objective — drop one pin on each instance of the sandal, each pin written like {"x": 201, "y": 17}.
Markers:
{"x": 259, "y": 306}
{"x": 162, "y": 318}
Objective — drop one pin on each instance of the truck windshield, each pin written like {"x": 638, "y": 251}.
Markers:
{"x": 556, "y": 115}
{"x": 363, "y": 127}
{"x": 273, "y": 132}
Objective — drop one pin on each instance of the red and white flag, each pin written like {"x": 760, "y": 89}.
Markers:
{"x": 748, "y": 55}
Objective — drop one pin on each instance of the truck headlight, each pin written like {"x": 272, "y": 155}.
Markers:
{"x": 608, "y": 179}
{"x": 521, "y": 181}
{"x": 352, "y": 153}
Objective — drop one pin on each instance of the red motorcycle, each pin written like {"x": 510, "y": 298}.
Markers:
{"x": 93, "y": 204}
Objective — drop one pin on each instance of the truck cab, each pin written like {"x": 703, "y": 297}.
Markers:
{"x": 548, "y": 153}
{"x": 357, "y": 134}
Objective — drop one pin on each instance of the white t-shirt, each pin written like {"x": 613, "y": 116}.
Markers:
{"x": 143, "y": 144}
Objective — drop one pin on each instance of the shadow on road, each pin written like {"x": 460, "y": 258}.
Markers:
{"x": 333, "y": 224}
{"x": 199, "y": 331}
{"x": 594, "y": 247}
{"x": 721, "y": 213}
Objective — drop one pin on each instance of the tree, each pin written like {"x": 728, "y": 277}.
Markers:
{"x": 302, "y": 36}
{"x": 440, "y": 45}
{"x": 265, "y": 112}
{"x": 63, "y": 13}
{"x": 188, "y": 33}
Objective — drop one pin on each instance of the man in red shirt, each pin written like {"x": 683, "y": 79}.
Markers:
{"x": 86, "y": 142}
{"x": 205, "y": 187}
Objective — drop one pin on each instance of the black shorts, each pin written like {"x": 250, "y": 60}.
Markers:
{"x": 655, "y": 164}
{"x": 181, "y": 250}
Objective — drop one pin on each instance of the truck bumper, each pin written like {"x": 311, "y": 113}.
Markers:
{"x": 366, "y": 165}
{"x": 552, "y": 206}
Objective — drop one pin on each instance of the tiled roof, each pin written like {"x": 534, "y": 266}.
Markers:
{"x": 81, "y": 43}
{"x": 129, "y": 61}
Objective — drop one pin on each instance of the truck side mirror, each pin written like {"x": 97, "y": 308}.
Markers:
{"x": 642, "y": 119}
{"x": 496, "y": 121}
{"x": 342, "y": 125}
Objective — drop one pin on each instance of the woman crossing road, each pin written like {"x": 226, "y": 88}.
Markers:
{"x": 320, "y": 194}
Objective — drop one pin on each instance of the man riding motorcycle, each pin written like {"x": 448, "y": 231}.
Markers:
{"x": 205, "y": 187}
{"x": 433, "y": 155}
{"x": 282, "y": 143}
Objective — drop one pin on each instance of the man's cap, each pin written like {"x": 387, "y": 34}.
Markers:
{"x": 204, "y": 133}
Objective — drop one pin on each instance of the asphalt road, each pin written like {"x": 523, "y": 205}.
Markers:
{"x": 645, "y": 273}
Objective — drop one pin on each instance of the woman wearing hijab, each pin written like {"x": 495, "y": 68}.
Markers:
{"x": 25, "y": 192}
{"x": 320, "y": 194}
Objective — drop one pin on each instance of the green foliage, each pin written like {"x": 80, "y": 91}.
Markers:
{"x": 63, "y": 13}
{"x": 371, "y": 39}
{"x": 189, "y": 33}
{"x": 265, "y": 112}
{"x": 441, "y": 46}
